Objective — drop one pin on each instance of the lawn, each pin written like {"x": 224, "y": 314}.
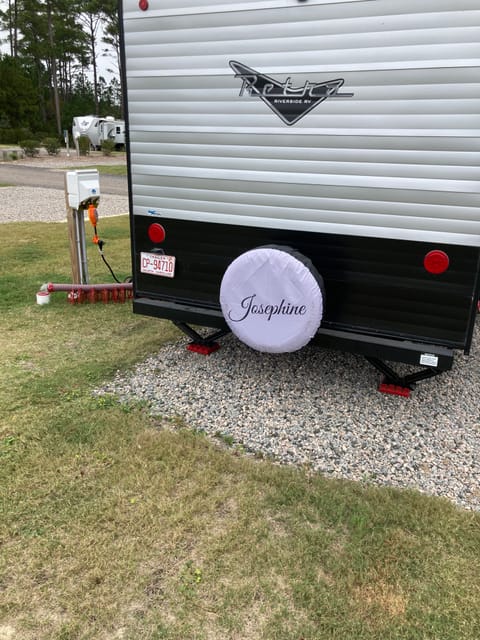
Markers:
{"x": 107, "y": 169}
{"x": 114, "y": 525}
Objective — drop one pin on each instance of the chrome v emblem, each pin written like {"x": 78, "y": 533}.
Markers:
{"x": 288, "y": 102}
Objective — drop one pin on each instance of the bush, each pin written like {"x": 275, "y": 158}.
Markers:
{"x": 84, "y": 145}
{"x": 39, "y": 135}
{"x": 30, "y": 147}
{"x": 52, "y": 146}
{"x": 107, "y": 147}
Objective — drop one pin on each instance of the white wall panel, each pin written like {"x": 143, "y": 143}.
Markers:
{"x": 398, "y": 159}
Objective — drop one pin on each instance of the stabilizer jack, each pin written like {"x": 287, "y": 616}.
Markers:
{"x": 398, "y": 385}
{"x": 205, "y": 345}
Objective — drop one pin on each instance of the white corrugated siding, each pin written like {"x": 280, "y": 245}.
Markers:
{"x": 399, "y": 159}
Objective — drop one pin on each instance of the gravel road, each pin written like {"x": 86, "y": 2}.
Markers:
{"x": 36, "y": 190}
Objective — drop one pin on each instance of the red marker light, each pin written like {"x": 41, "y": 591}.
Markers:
{"x": 156, "y": 233}
{"x": 143, "y": 4}
{"x": 436, "y": 262}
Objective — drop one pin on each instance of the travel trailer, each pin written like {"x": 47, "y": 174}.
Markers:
{"x": 99, "y": 129}
{"x": 308, "y": 169}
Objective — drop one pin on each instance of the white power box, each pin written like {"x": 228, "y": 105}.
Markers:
{"x": 83, "y": 188}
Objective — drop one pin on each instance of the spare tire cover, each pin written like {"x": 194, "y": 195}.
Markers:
{"x": 272, "y": 299}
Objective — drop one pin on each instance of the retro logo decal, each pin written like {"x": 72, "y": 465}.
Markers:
{"x": 288, "y": 102}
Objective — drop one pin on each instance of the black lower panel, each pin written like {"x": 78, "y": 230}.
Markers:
{"x": 372, "y": 286}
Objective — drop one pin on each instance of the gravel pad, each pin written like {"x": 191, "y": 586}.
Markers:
{"x": 321, "y": 408}
{"x": 34, "y": 204}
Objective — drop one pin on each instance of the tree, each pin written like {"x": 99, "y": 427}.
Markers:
{"x": 51, "y": 35}
{"x": 91, "y": 18}
{"x": 111, "y": 32}
{"x": 56, "y": 43}
{"x": 10, "y": 21}
{"x": 18, "y": 96}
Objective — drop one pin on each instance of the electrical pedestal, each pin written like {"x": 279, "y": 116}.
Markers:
{"x": 82, "y": 188}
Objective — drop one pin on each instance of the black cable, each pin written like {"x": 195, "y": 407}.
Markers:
{"x": 110, "y": 268}
{"x": 100, "y": 244}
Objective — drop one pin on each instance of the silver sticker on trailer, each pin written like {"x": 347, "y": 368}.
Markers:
{"x": 429, "y": 359}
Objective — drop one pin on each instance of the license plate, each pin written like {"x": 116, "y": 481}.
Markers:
{"x": 157, "y": 264}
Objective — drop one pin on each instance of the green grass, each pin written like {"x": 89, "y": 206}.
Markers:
{"x": 114, "y": 525}
{"x": 107, "y": 169}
